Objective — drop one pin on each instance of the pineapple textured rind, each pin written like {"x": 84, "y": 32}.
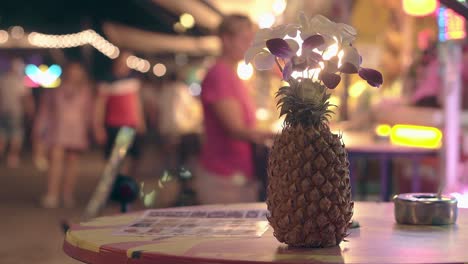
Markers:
{"x": 309, "y": 190}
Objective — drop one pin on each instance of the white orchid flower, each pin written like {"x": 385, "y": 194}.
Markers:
{"x": 260, "y": 55}
{"x": 345, "y": 34}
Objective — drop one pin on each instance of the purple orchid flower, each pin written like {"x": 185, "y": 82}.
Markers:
{"x": 280, "y": 48}
{"x": 330, "y": 80}
{"x": 312, "y": 42}
{"x": 373, "y": 77}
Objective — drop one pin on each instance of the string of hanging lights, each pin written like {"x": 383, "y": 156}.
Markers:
{"x": 85, "y": 37}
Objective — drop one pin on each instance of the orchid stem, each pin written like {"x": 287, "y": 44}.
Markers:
{"x": 278, "y": 64}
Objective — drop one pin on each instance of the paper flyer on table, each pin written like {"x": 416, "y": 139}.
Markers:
{"x": 167, "y": 223}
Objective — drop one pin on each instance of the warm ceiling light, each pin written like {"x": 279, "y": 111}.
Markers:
{"x": 3, "y": 36}
{"x": 159, "y": 69}
{"x": 179, "y": 28}
{"x": 17, "y": 32}
{"x": 244, "y": 71}
{"x": 146, "y": 66}
{"x": 266, "y": 20}
{"x": 262, "y": 114}
{"x": 279, "y": 6}
{"x": 419, "y": 7}
{"x": 187, "y": 20}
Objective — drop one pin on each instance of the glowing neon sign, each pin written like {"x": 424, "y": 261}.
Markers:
{"x": 42, "y": 76}
{"x": 416, "y": 136}
{"x": 451, "y": 25}
{"x": 420, "y": 7}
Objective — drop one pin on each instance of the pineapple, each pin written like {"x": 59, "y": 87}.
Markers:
{"x": 309, "y": 191}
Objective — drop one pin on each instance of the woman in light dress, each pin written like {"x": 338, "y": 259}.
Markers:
{"x": 64, "y": 121}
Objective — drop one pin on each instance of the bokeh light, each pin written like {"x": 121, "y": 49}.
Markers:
{"x": 3, "y": 36}
{"x": 159, "y": 69}
{"x": 187, "y": 20}
{"x": 266, "y": 20}
{"x": 279, "y": 6}
{"x": 195, "y": 89}
{"x": 17, "y": 32}
{"x": 244, "y": 71}
{"x": 262, "y": 114}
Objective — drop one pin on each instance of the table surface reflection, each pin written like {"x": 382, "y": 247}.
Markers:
{"x": 378, "y": 240}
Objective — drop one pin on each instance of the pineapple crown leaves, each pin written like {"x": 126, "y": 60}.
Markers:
{"x": 304, "y": 102}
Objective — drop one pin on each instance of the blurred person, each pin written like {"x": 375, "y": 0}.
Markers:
{"x": 226, "y": 169}
{"x": 180, "y": 115}
{"x": 15, "y": 99}
{"x": 64, "y": 123}
{"x": 427, "y": 79}
{"x": 149, "y": 100}
{"x": 119, "y": 105}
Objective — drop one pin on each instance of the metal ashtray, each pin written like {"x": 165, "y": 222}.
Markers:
{"x": 425, "y": 209}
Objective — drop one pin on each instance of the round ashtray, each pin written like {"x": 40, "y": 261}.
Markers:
{"x": 425, "y": 209}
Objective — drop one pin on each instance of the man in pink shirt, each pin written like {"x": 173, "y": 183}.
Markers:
{"x": 226, "y": 169}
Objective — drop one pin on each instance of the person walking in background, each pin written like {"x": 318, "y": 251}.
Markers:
{"x": 119, "y": 105}
{"x": 15, "y": 99}
{"x": 226, "y": 169}
{"x": 180, "y": 115}
{"x": 65, "y": 116}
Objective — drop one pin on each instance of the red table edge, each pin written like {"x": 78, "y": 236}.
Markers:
{"x": 102, "y": 258}
{"x": 92, "y": 257}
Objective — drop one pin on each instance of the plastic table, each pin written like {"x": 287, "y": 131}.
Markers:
{"x": 378, "y": 240}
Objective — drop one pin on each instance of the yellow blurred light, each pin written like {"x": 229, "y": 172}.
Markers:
{"x": 3, "y": 36}
{"x": 266, "y": 20}
{"x": 278, "y": 125}
{"x": 54, "y": 84}
{"x": 244, "y": 71}
{"x": 279, "y": 6}
{"x": 262, "y": 114}
{"x": 159, "y": 69}
{"x": 357, "y": 88}
{"x": 149, "y": 199}
{"x": 132, "y": 61}
{"x": 383, "y": 130}
{"x": 187, "y": 20}
{"x": 178, "y": 27}
{"x": 334, "y": 100}
{"x": 419, "y": 7}
{"x": 166, "y": 177}
{"x": 43, "y": 67}
{"x": 416, "y": 136}
{"x": 115, "y": 53}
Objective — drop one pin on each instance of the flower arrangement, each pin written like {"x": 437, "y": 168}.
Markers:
{"x": 317, "y": 48}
